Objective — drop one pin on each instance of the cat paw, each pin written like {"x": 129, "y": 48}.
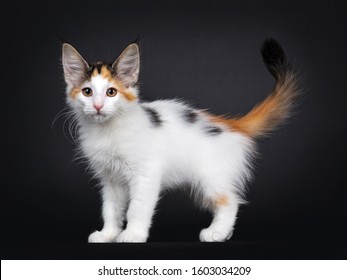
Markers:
{"x": 102, "y": 237}
{"x": 131, "y": 236}
{"x": 212, "y": 235}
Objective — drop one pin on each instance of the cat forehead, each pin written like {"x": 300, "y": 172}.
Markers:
{"x": 99, "y": 83}
{"x": 101, "y": 75}
{"x": 100, "y": 69}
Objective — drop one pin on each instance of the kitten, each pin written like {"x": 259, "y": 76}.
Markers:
{"x": 138, "y": 149}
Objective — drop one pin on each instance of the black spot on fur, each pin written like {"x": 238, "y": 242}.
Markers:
{"x": 90, "y": 70}
{"x": 213, "y": 130}
{"x": 153, "y": 116}
{"x": 190, "y": 116}
{"x": 98, "y": 67}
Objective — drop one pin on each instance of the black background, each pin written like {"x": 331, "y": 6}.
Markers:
{"x": 203, "y": 52}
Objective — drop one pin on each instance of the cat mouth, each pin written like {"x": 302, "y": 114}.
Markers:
{"x": 100, "y": 116}
{"x": 99, "y": 113}
{"x": 96, "y": 116}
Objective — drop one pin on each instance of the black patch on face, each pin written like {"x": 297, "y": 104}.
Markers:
{"x": 190, "y": 116}
{"x": 98, "y": 67}
{"x": 213, "y": 130}
{"x": 154, "y": 116}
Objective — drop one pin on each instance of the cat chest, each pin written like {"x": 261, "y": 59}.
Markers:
{"x": 106, "y": 156}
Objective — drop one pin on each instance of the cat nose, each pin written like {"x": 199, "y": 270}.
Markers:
{"x": 98, "y": 107}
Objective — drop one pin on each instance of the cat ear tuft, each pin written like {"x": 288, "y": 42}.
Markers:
{"x": 75, "y": 67}
{"x": 127, "y": 65}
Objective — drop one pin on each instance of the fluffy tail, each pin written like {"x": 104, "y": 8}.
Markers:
{"x": 276, "y": 108}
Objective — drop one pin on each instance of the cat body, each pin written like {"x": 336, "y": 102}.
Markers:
{"x": 138, "y": 149}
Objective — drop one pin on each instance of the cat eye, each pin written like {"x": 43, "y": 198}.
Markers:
{"x": 111, "y": 92}
{"x": 87, "y": 91}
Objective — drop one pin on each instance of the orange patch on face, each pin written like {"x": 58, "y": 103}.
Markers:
{"x": 106, "y": 74}
{"x": 123, "y": 90}
{"x": 74, "y": 92}
{"x": 128, "y": 95}
{"x": 95, "y": 72}
{"x": 223, "y": 200}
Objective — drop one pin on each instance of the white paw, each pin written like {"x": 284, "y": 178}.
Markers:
{"x": 131, "y": 236}
{"x": 212, "y": 235}
{"x": 102, "y": 237}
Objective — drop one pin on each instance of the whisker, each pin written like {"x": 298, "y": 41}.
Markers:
{"x": 60, "y": 114}
{"x": 67, "y": 121}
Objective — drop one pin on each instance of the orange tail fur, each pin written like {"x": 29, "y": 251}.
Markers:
{"x": 276, "y": 108}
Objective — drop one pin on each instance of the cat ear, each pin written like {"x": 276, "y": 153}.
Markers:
{"x": 75, "y": 67}
{"x": 127, "y": 65}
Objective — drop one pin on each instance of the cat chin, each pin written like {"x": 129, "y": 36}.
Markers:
{"x": 99, "y": 118}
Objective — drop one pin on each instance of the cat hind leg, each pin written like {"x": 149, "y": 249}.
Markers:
{"x": 224, "y": 206}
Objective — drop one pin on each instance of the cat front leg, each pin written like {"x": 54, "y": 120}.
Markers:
{"x": 143, "y": 195}
{"x": 113, "y": 207}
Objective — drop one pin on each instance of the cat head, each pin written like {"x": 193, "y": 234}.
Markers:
{"x": 99, "y": 91}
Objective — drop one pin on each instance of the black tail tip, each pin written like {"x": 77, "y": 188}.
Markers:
{"x": 274, "y": 56}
